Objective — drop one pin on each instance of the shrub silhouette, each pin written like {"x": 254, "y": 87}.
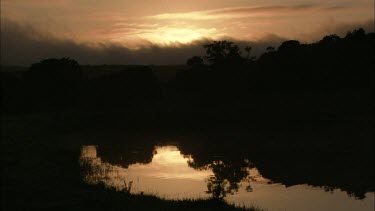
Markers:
{"x": 53, "y": 82}
{"x": 55, "y": 71}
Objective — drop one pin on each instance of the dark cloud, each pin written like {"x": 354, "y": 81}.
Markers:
{"x": 22, "y": 45}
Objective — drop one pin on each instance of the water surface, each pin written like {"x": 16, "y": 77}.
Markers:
{"x": 172, "y": 175}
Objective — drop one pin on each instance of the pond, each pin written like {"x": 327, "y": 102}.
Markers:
{"x": 168, "y": 172}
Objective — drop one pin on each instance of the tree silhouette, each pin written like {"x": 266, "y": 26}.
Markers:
{"x": 333, "y": 38}
{"x": 248, "y": 50}
{"x": 55, "y": 70}
{"x": 53, "y": 82}
{"x": 195, "y": 62}
{"x": 223, "y": 53}
{"x": 270, "y": 49}
{"x": 289, "y": 45}
{"x": 355, "y": 34}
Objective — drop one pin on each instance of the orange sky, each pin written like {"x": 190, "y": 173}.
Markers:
{"x": 167, "y": 22}
{"x": 164, "y": 32}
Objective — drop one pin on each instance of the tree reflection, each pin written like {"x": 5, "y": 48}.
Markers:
{"x": 227, "y": 176}
{"x": 230, "y": 168}
{"x": 216, "y": 187}
{"x": 94, "y": 171}
{"x": 125, "y": 155}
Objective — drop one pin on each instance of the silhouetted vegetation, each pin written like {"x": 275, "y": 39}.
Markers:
{"x": 303, "y": 107}
{"x": 330, "y": 79}
{"x": 297, "y": 81}
{"x": 53, "y": 83}
{"x": 227, "y": 177}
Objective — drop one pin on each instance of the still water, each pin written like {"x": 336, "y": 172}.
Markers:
{"x": 172, "y": 175}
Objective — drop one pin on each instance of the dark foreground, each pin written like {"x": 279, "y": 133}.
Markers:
{"x": 41, "y": 168}
{"x": 306, "y": 108}
{"x": 41, "y": 171}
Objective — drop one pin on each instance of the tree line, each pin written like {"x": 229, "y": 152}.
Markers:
{"x": 330, "y": 78}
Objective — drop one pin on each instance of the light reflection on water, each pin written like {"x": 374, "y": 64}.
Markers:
{"x": 169, "y": 176}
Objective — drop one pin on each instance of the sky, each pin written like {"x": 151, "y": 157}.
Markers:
{"x": 165, "y": 31}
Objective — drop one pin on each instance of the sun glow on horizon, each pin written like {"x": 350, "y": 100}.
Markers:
{"x": 171, "y": 35}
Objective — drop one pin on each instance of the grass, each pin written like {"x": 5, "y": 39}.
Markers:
{"x": 123, "y": 200}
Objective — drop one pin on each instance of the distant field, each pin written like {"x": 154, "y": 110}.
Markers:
{"x": 163, "y": 73}
{"x": 166, "y": 73}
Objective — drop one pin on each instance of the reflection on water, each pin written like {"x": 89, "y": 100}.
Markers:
{"x": 173, "y": 175}
{"x": 226, "y": 178}
{"x": 167, "y": 175}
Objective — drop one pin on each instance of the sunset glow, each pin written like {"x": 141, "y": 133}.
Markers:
{"x": 164, "y": 22}
{"x": 187, "y": 104}
{"x": 177, "y": 35}
{"x": 145, "y": 23}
